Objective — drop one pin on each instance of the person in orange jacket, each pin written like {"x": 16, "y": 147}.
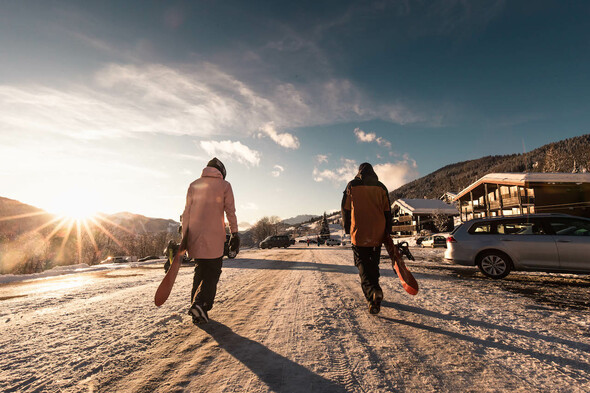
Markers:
{"x": 203, "y": 233}
{"x": 366, "y": 216}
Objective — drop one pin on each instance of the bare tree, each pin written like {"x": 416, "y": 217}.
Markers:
{"x": 264, "y": 227}
{"x": 440, "y": 220}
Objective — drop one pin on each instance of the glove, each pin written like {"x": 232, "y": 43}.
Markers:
{"x": 234, "y": 242}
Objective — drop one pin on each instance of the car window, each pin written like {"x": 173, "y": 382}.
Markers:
{"x": 481, "y": 228}
{"x": 570, "y": 227}
{"x": 520, "y": 228}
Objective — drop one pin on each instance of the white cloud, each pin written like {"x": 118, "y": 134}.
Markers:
{"x": 395, "y": 175}
{"x": 320, "y": 158}
{"x": 249, "y": 206}
{"x": 392, "y": 175}
{"x": 284, "y": 139}
{"x": 198, "y": 100}
{"x": 231, "y": 150}
{"x": 344, "y": 173}
{"x": 369, "y": 137}
{"x": 277, "y": 171}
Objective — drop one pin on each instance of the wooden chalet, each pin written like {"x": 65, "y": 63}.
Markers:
{"x": 503, "y": 194}
{"x": 410, "y": 216}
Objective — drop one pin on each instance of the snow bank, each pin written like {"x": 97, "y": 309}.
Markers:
{"x": 72, "y": 269}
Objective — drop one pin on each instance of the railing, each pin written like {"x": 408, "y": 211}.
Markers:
{"x": 404, "y": 228}
{"x": 507, "y": 201}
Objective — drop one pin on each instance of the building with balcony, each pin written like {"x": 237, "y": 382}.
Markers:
{"x": 503, "y": 194}
{"x": 411, "y": 216}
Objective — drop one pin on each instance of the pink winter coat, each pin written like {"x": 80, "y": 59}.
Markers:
{"x": 206, "y": 200}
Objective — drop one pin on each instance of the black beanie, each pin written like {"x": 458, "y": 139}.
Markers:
{"x": 215, "y": 163}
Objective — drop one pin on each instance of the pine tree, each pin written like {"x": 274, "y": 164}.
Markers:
{"x": 325, "y": 228}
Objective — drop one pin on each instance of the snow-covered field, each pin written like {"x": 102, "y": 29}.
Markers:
{"x": 294, "y": 320}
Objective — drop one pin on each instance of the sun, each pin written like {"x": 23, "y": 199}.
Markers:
{"x": 77, "y": 204}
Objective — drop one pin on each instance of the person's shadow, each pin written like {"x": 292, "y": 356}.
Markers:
{"x": 277, "y": 372}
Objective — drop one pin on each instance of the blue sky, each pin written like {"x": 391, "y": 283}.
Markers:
{"x": 119, "y": 106}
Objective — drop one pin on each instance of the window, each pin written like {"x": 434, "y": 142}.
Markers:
{"x": 520, "y": 228}
{"x": 570, "y": 227}
{"x": 481, "y": 228}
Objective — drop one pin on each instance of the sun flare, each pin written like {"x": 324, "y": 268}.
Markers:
{"x": 75, "y": 204}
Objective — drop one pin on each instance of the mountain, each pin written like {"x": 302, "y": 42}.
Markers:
{"x": 244, "y": 226}
{"x": 137, "y": 223}
{"x": 299, "y": 219}
{"x": 569, "y": 155}
{"x": 17, "y": 218}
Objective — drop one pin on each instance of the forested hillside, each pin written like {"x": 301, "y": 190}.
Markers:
{"x": 569, "y": 155}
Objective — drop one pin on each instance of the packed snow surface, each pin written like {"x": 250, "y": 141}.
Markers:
{"x": 295, "y": 320}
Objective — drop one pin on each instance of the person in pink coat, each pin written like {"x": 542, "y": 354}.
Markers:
{"x": 203, "y": 234}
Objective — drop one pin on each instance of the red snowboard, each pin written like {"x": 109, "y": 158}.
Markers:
{"x": 165, "y": 287}
{"x": 408, "y": 281}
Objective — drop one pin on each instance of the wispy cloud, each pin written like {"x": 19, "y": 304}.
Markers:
{"x": 197, "y": 100}
{"x": 369, "y": 137}
{"x": 277, "y": 171}
{"x": 232, "y": 150}
{"x": 249, "y": 206}
{"x": 284, "y": 139}
{"x": 346, "y": 172}
{"x": 320, "y": 158}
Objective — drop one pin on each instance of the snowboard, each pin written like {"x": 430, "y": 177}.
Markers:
{"x": 395, "y": 253}
{"x": 165, "y": 287}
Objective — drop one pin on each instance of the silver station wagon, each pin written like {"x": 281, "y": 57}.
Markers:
{"x": 538, "y": 242}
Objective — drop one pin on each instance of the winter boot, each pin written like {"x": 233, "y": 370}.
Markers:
{"x": 375, "y": 302}
{"x": 199, "y": 315}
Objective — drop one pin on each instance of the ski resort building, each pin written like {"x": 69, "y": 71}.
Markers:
{"x": 504, "y": 194}
{"x": 411, "y": 216}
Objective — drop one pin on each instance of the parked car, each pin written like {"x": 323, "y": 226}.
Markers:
{"x": 434, "y": 241}
{"x": 276, "y": 241}
{"x": 332, "y": 242}
{"x": 538, "y": 242}
{"x": 114, "y": 260}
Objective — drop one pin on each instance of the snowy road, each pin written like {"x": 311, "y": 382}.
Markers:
{"x": 294, "y": 320}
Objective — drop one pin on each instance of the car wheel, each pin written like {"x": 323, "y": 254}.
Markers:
{"x": 232, "y": 254}
{"x": 494, "y": 264}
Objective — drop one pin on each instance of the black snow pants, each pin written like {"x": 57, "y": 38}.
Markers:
{"x": 207, "y": 272}
{"x": 366, "y": 259}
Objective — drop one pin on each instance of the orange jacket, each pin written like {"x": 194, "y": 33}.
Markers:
{"x": 202, "y": 221}
{"x": 366, "y": 211}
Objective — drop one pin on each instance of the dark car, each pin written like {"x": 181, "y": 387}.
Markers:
{"x": 276, "y": 241}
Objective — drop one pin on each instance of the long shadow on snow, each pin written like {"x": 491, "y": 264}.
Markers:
{"x": 288, "y": 265}
{"x": 277, "y": 372}
{"x": 467, "y": 321}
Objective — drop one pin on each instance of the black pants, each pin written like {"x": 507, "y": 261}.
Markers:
{"x": 207, "y": 272}
{"x": 366, "y": 259}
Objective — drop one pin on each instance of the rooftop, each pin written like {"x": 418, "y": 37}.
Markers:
{"x": 525, "y": 179}
{"x": 425, "y": 206}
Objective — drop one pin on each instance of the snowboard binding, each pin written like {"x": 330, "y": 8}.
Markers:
{"x": 405, "y": 250}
